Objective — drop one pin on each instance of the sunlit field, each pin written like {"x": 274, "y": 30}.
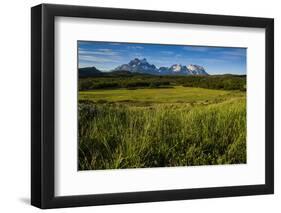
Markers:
{"x": 157, "y": 127}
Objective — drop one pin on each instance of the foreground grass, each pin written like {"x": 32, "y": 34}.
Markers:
{"x": 170, "y": 132}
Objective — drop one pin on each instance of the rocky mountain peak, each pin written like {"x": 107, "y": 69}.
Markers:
{"x": 143, "y": 66}
{"x": 197, "y": 70}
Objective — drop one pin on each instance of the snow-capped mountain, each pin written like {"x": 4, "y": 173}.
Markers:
{"x": 142, "y": 66}
{"x": 137, "y": 65}
{"x": 196, "y": 69}
{"x": 174, "y": 69}
{"x": 177, "y": 68}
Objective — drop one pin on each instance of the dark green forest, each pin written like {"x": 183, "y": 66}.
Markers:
{"x": 123, "y": 79}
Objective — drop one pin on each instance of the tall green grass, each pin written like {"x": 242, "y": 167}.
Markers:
{"x": 113, "y": 136}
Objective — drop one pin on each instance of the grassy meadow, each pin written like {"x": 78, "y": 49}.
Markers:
{"x": 170, "y": 124}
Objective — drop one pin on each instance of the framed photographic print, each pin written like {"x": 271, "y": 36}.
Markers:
{"x": 139, "y": 106}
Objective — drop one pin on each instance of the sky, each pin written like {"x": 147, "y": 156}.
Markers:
{"x": 106, "y": 56}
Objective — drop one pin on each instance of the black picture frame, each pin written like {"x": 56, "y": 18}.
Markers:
{"x": 43, "y": 117}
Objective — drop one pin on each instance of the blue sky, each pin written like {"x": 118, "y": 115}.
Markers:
{"x": 108, "y": 55}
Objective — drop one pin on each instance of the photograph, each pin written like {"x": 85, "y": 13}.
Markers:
{"x": 157, "y": 105}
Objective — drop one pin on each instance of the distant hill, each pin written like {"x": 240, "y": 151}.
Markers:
{"x": 94, "y": 72}
{"x": 125, "y": 73}
{"x": 120, "y": 73}
{"x": 89, "y": 72}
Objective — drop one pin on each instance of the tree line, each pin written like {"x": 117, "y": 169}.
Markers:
{"x": 224, "y": 82}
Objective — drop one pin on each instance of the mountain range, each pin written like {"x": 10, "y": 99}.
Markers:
{"x": 142, "y": 66}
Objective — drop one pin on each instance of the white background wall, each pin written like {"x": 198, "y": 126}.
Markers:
{"x": 15, "y": 105}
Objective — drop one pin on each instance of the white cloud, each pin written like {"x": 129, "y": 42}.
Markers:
{"x": 96, "y": 59}
{"x": 234, "y": 52}
{"x": 135, "y": 47}
{"x": 196, "y": 48}
{"x": 105, "y": 52}
{"x": 167, "y": 52}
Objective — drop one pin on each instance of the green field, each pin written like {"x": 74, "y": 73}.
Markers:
{"x": 156, "y": 127}
{"x": 178, "y": 94}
